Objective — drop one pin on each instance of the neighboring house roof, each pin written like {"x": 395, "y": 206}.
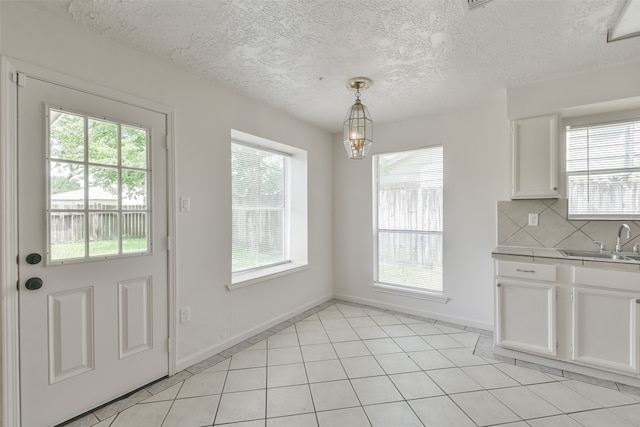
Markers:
{"x": 96, "y": 194}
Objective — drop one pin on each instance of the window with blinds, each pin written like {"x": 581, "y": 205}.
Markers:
{"x": 603, "y": 170}
{"x": 408, "y": 218}
{"x": 259, "y": 207}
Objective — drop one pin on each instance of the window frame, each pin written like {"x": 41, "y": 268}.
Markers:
{"x": 285, "y": 209}
{"x": 587, "y": 121}
{"x": 391, "y": 288}
{"x": 296, "y": 221}
{"x": 86, "y": 210}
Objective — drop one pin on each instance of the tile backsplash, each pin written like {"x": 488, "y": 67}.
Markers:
{"x": 554, "y": 230}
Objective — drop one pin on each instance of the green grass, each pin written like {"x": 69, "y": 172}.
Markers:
{"x": 98, "y": 247}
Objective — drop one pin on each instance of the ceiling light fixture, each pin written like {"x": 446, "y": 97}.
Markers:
{"x": 358, "y": 126}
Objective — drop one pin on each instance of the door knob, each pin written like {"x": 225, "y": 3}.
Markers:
{"x": 34, "y": 258}
{"x": 33, "y": 283}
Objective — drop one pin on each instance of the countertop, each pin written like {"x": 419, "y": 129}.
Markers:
{"x": 554, "y": 256}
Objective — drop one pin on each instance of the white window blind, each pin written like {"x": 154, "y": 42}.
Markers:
{"x": 409, "y": 233}
{"x": 259, "y": 214}
{"x": 603, "y": 170}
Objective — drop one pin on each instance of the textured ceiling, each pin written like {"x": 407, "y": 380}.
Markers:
{"x": 424, "y": 56}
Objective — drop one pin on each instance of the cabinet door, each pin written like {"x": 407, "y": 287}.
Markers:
{"x": 534, "y": 158}
{"x": 526, "y": 316}
{"x": 605, "y": 325}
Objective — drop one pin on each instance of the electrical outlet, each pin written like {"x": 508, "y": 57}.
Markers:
{"x": 533, "y": 219}
{"x": 185, "y": 314}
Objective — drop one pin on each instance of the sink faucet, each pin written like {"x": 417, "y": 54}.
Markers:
{"x": 622, "y": 227}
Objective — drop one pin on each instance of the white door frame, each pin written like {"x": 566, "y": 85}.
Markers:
{"x": 9, "y": 69}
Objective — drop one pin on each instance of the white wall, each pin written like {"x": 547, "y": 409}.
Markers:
{"x": 476, "y": 175}
{"x": 204, "y": 116}
{"x": 608, "y": 87}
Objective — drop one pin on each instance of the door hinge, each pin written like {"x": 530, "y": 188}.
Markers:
{"x": 18, "y": 259}
{"x": 571, "y": 296}
{"x": 18, "y": 285}
{"x": 168, "y": 243}
{"x": 166, "y": 142}
{"x": 169, "y": 345}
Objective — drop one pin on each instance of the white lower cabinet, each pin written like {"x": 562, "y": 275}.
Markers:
{"x": 581, "y": 315}
{"x": 605, "y": 329}
{"x": 526, "y": 316}
{"x": 526, "y": 307}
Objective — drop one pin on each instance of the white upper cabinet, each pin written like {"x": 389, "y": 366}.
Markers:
{"x": 534, "y": 158}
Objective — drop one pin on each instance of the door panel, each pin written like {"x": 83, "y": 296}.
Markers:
{"x": 136, "y": 316}
{"x": 71, "y": 334}
{"x": 97, "y": 328}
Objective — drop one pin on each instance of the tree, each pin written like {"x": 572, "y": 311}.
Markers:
{"x": 67, "y": 147}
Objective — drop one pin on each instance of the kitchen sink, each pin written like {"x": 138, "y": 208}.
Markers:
{"x": 601, "y": 255}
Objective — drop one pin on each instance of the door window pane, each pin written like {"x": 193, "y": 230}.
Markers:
{"x": 134, "y": 232}
{"x": 66, "y": 185}
{"x": 67, "y": 235}
{"x": 103, "y": 142}
{"x": 66, "y": 136}
{"x": 134, "y": 190}
{"x": 103, "y": 234}
{"x": 103, "y": 188}
{"x": 134, "y": 147}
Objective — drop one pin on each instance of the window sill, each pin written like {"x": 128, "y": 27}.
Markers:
{"x": 242, "y": 280}
{"x": 409, "y": 292}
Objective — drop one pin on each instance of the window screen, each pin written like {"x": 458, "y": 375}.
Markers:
{"x": 259, "y": 214}
{"x": 409, "y": 233}
{"x": 603, "y": 170}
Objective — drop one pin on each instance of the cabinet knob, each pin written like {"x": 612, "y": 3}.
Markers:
{"x": 498, "y": 285}
{"x": 638, "y": 301}
{"x": 555, "y": 188}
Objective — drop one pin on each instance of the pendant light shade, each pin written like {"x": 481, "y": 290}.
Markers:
{"x": 358, "y": 126}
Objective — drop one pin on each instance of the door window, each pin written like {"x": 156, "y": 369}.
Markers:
{"x": 98, "y": 189}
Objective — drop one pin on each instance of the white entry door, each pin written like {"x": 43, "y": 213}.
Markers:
{"x": 92, "y": 233}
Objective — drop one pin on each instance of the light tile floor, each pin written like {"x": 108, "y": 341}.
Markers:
{"x": 346, "y": 365}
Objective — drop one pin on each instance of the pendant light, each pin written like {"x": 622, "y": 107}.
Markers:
{"x": 358, "y": 126}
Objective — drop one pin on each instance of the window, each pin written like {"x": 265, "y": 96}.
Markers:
{"x": 408, "y": 218}
{"x": 98, "y": 190}
{"x": 260, "y": 208}
{"x": 603, "y": 170}
{"x": 269, "y": 209}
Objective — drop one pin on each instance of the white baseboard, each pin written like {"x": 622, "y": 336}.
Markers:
{"x": 463, "y": 321}
{"x": 203, "y": 354}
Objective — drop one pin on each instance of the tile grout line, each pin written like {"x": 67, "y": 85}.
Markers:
{"x": 245, "y": 345}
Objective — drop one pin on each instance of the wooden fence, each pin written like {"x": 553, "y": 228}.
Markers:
{"x": 415, "y": 212}
{"x": 68, "y": 227}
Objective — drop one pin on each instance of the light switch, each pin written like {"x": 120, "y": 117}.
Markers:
{"x": 185, "y": 204}
{"x": 533, "y": 219}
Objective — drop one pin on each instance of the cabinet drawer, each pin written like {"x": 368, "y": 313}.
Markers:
{"x": 619, "y": 280}
{"x": 525, "y": 270}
